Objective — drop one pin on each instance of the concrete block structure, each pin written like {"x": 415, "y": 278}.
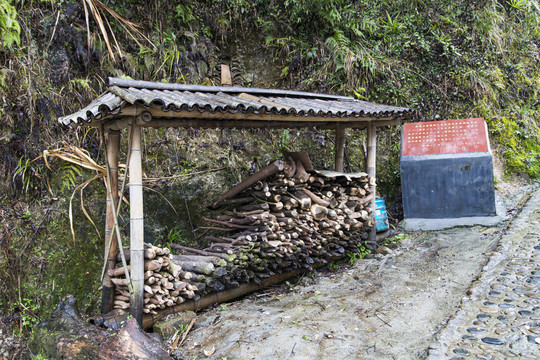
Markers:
{"x": 447, "y": 174}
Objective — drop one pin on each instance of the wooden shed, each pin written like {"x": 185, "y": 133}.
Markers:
{"x": 132, "y": 105}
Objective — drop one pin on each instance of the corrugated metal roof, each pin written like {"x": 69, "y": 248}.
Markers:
{"x": 123, "y": 94}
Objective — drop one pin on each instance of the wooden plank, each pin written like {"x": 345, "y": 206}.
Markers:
{"x": 157, "y": 111}
{"x": 240, "y": 120}
{"x": 263, "y": 122}
{"x": 249, "y": 97}
{"x": 226, "y": 124}
{"x": 223, "y": 121}
{"x": 339, "y": 148}
{"x": 226, "y": 78}
{"x": 136, "y": 226}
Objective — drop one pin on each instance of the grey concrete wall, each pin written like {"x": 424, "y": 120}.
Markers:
{"x": 447, "y": 186}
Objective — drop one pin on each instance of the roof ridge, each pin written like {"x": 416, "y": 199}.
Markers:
{"x": 141, "y": 84}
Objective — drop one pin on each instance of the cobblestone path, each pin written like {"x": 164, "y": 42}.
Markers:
{"x": 500, "y": 316}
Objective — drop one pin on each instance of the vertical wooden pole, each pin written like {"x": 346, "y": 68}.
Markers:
{"x": 371, "y": 170}
{"x": 136, "y": 225}
{"x": 340, "y": 148}
{"x": 113, "y": 145}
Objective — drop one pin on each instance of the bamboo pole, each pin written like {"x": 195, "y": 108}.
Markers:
{"x": 136, "y": 226}
{"x": 339, "y": 148}
{"x": 371, "y": 170}
{"x": 115, "y": 211}
{"x": 113, "y": 140}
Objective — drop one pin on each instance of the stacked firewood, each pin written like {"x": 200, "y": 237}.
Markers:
{"x": 291, "y": 219}
{"x": 171, "y": 279}
{"x": 280, "y": 219}
{"x": 168, "y": 279}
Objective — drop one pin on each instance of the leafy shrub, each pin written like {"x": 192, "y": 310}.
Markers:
{"x": 10, "y": 30}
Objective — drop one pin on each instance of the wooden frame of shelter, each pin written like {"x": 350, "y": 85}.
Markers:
{"x": 137, "y": 104}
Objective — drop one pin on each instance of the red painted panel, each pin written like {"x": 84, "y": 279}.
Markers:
{"x": 445, "y": 137}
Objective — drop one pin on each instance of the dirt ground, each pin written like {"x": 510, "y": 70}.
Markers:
{"x": 390, "y": 306}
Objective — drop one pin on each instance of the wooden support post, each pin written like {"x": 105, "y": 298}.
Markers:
{"x": 113, "y": 144}
{"x": 136, "y": 225}
{"x": 371, "y": 170}
{"x": 339, "y": 148}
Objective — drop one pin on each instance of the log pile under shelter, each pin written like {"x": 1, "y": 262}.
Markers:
{"x": 132, "y": 105}
{"x": 281, "y": 219}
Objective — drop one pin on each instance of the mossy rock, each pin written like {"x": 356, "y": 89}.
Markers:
{"x": 67, "y": 335}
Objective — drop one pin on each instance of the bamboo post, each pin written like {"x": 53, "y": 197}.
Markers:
{"x": 371, "y": 170}
{"x": 136, "y": 225}
{"x": 113, "y": 144}
{"x": 339, "y": 148}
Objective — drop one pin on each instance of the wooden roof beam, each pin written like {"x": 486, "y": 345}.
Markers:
{"x": 243, "y": 124}
{"x": 155, "y": 117}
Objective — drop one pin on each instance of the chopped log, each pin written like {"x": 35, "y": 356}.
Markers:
{"x": 316, "y": 181}
{"x": 253, "y": 207}
{"x": 149, "y": 253}
{"x": 271, "y": 169}
{"x": 225, "y": 223}
{"x": 211, "y": 259}
{"x": 258, "y": 185}
{"x": 277, "y": 206}
{"x": 291, "y": 213}
{"x": 289, "y": 202}
{"x": 194, "y": 266}
{"x": 290, "y": 167}
{"x": 248, "y": 220}
{"x": 316, "y": 199}
{"x": 303, "y": 200}
{"x": 318, "y": 211}
{"x": 199, "y": 252}
{"x": 158, "y": 250}
{"x": 121, "y": 304}
{"x": 301, "y": 173}
{"x": 152, "y": 265}
{"x": 366, "y": 200}
{"x": 120, "y": 282}
{"x": 236, "y": 201}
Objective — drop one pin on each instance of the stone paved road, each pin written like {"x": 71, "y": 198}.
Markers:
{"x": 500, "y": 316}
{"x": 397, "y": 304}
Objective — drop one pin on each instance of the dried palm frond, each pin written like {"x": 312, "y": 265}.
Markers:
{"x": 98, "y": 10}
{"x": 75, "y": 155}
{"x": 80, "y": 157}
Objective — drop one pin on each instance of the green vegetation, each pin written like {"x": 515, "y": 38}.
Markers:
{"x": 444, "y": 59}
{"x": 396, "y": 239}
{"x": 354, "y": 257}
{"x": 10, "y": 30}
